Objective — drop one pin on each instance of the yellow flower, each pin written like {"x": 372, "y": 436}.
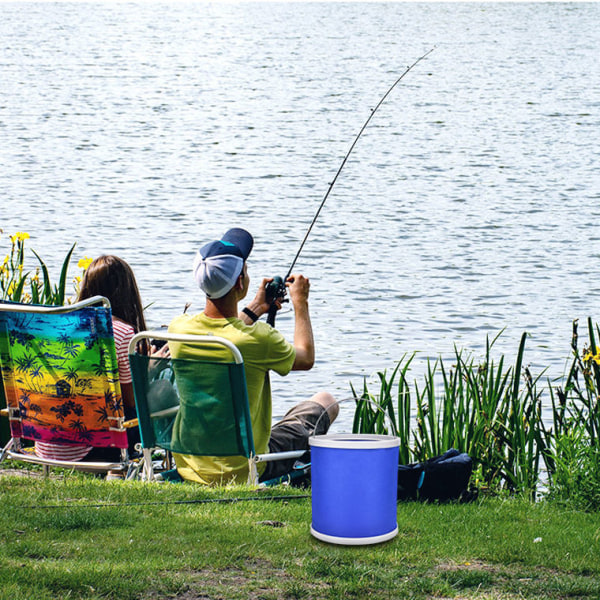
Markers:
{"x": 589, "y": 356}
{"x": 20, "y": 236}
{"x": 84, "y": 263}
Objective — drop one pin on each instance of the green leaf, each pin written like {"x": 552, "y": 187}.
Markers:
{"x": 47, "y": 291}
{"x": 60, "y": 299}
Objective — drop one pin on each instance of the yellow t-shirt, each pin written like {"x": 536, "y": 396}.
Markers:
{"x": 263, "y": 349}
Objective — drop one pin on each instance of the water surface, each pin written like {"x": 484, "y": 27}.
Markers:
{"x": 469, "y": 205}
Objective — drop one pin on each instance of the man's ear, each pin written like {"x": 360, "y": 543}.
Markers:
{"x": 239, "y": 283}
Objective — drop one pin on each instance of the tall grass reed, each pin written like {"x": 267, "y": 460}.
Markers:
{"x": 487, "y": 409}
{"x": 493, "y": 412}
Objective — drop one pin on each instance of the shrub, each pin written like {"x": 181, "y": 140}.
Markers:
{"x": 573, "y": 450}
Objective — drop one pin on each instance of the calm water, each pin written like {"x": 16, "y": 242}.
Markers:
{"x": 470, "y": 204}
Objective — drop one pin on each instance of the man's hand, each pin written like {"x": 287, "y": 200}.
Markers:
{"x": 262, "y": 298}
{"x": 298, "y": 288}
{"x": 260, "y": 305}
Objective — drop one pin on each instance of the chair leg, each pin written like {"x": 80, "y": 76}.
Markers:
{"x": 252, "y": 472}
{"x": 6, "y": 449}
{"x": 133, "y": 470}
{"x": 148, "y": 472}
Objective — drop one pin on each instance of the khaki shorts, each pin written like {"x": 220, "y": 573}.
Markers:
{"x": 292, "y": 433}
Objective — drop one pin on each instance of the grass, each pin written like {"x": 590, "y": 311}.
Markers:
{"x": 158, "y": 541}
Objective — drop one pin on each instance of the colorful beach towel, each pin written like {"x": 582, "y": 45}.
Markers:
{"x": 60, "y": 377}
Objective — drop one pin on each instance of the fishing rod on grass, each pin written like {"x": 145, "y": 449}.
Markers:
{"x": 276, "y": 289}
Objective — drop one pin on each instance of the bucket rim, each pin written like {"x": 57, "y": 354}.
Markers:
{"x": 355, "y": 441}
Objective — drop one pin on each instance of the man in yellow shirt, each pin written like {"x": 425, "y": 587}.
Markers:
{"x": 221, "y": 273}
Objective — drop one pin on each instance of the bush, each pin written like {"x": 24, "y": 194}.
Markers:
{"x": 576, "y": 478}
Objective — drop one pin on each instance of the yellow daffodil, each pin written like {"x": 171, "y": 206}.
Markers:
{"x": 84, "y": 263}
{"x": 20, "y": 236}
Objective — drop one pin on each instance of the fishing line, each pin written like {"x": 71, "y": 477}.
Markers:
{"x": 276, "y": 289}
{"x": 198, "y": 501}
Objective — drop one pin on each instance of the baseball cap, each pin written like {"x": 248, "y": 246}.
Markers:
{"x": 218, "y": 264}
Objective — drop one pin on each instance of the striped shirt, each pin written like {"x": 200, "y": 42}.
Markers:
{"x": 123, "y": 334}
{"x": 75, "y": 452}
{"x": 61, "y": 451}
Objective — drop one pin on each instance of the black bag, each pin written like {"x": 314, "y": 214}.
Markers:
{"x": 442, "y": 478}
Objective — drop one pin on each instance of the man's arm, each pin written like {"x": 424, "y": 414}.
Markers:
{"x": 259, "y": 306}
{"x": 304, "y": 343}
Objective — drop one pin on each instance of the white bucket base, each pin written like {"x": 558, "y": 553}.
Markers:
{"x": 360, "y": 541}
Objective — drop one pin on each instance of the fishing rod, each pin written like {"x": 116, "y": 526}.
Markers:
{"x": 276, "y": 289}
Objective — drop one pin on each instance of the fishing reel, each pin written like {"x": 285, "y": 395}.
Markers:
{"x": 276, "y": 290}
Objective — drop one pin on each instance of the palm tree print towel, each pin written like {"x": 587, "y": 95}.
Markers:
{"x": 60, "y": 377}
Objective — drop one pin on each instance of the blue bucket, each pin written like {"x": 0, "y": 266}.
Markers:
{"x": 354, "y": 488}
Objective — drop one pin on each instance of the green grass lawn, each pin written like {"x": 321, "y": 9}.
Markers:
{"x": 59, "y": 540}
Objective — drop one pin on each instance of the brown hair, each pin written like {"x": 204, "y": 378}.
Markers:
{"x": 111, "y": 277}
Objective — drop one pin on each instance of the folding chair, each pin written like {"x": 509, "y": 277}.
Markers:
{"x": 192, "y": 406}
{"x": 60, "y": 381}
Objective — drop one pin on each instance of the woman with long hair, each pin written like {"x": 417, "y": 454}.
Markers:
{"x": 111, "y": 277}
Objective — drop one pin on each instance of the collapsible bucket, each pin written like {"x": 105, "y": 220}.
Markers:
{"x": 354, "y": 488}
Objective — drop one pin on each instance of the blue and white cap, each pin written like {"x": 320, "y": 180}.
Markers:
{"x": 218, "y": 264}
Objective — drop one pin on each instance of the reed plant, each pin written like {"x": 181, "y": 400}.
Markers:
{"x": 484, "y": 408}
{"x": 390, "y": 412}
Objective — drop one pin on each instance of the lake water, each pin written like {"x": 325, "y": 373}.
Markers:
{"x": 470, "y": 205}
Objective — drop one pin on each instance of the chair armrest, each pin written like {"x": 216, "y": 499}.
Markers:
{"x": 4, "y": 412}
{"x": 167, "y": 412}
{"x": 279, "y": 455}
